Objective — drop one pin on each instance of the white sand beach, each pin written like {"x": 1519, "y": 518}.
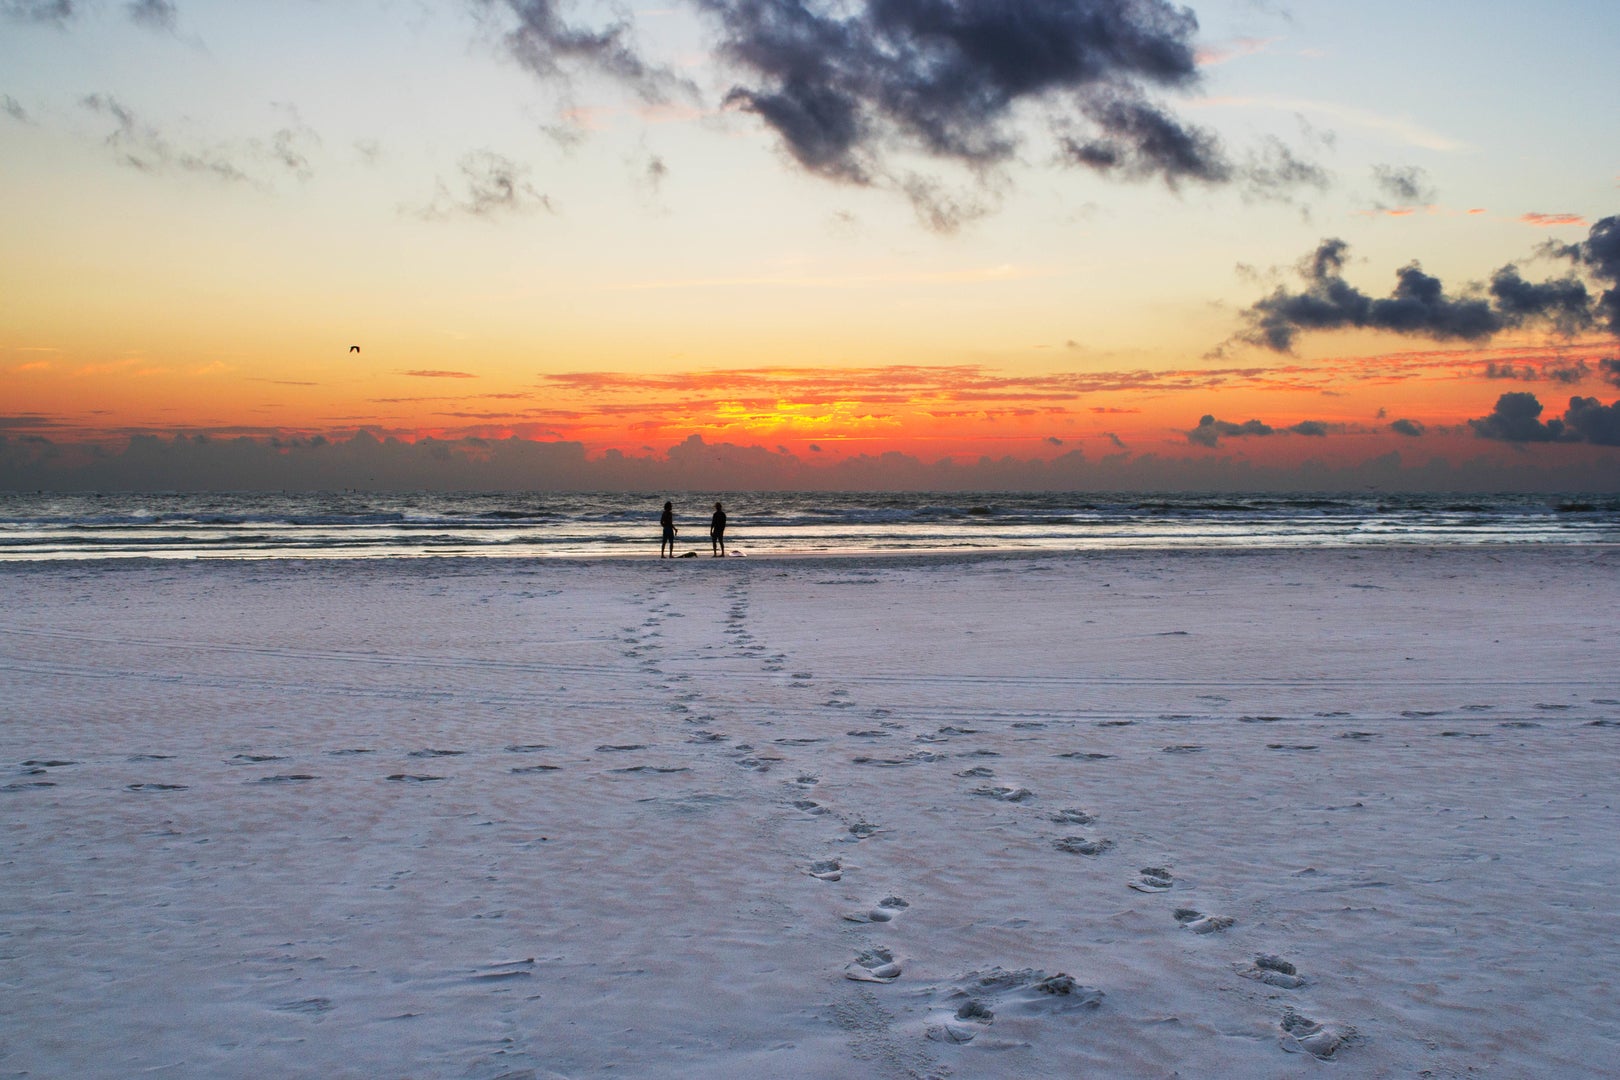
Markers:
{"x": 1140, "y": 814}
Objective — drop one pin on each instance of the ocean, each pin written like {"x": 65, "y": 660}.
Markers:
{"x": 253, "y": 525}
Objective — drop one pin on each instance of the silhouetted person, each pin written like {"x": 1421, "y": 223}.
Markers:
{"x": 717, "y": 531}
{"x": 667, "y": 520}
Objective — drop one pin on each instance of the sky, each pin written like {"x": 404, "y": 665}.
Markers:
{"x": 1073, "y": 244}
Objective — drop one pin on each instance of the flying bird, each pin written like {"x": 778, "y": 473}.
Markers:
{"x": 354, "y": 348}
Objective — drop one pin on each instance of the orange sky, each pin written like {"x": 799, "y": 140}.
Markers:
{"x": 204, "y": 205}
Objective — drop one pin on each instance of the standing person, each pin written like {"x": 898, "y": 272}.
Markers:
{"x": 717, "y": 531}
{"x": 667, "y": 520}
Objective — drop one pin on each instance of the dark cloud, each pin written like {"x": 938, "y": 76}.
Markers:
{"x": 1610, "y": 370}
{"x": 57, "y": 11}
{"x": 31, "y": 421}
{"x": 1309, "y": 427}
{"x": 1563, "y": 302}
{"x": 1600, "y": 252}
{"x": 1592, "y": 421}
{"x": 1136, "y": 139}
{"x": 1410, "y": 428}
{"x": 1517, "y": 419}
{"x": 546, "y": 44}
{"x": 1405, "y": 185}
{"x": 153, "y": 14}
{"x": 490, "y": 185}
{"x": 1506, "y": 370}
{"x": 1573, "y": 371}
{"x": 845, "y": 86}
{"x": 13, "y": 108}
{"x": 1210, "y": 430}
{"x": 655, "y": 172}
{"x": 1559, "y": 371}
{"x": 380, "y": 461}
{"x": 938, "y": 208}
{"x": 292, "y": 145}
{"x": 141, "y": 146}
{"x": 1273, "y": 171}
{"x": 1054, "y": 440}
{"x": 1419, "y": 304}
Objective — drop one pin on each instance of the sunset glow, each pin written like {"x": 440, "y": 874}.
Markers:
{"x": 208, "y": 204}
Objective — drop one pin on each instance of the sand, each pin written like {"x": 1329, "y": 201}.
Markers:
{"x": 1146, "y": 814}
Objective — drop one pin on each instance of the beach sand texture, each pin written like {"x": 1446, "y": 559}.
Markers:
{"x": 1146, "y": 814}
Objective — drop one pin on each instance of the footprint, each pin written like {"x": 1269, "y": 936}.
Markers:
{"x": 1273, "y": 971}
{"x": 1084, "y": 755}
{"x": 527, "y": 748}
{"x": 1184, "y": 749}
{"x": 254, "y": 759}
{"x": 1518, "y": 724}
{"x": 348, "y": 752}
{"x": 1073, "y": 815}
{"x": 707, "y": 736}
{"x": 885, "y": 911}
{"x": 536, "y": 768}
{"x": 876, "y": 964}
{"x": 862, "y": 829}
{"x": 1153, "y": 879}
{"x": 980, "y": 995}
{"x": 1290, "y": 746}
{"x": 430, "y": 752}
{"x": 809, "y": 806}
{"x": 652, "y": 769}
{"x": 1005, "y": 794}
{"x": 413, "y": 779}
{"x": 285, "y": 778}
{"x": 970, "y": 1020}
{"x": 1200, "y": 923}
{"x": 1358, "y": 736}
{"x": 1302, "y": 1035}
{"x": 156, "y": 787}
{"x": 612, "y": 748}
{"x": 48, "y": 763}
{"x": 1079, "y": 845}
{"x": 920, "y": 757}
{"x": 978, "y": 772}
{"x": 826, "y": 870}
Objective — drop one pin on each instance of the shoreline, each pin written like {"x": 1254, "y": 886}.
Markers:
{"x": 886, "y": 556}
